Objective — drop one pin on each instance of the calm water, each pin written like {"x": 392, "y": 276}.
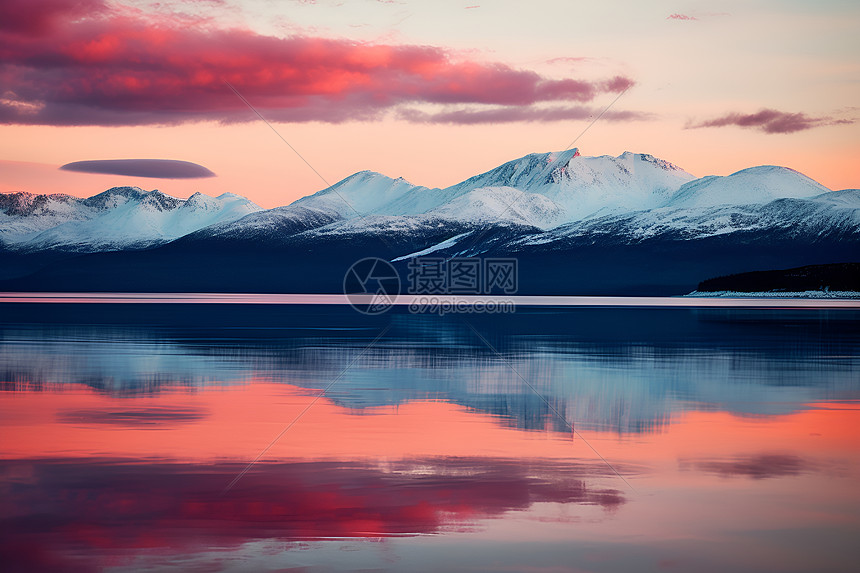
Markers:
{"x": 553, "y": 439}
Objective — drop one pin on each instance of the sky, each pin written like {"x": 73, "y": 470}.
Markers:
{"x": 279, "y": 98}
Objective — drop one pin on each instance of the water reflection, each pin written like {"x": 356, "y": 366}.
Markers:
{"x": 166, "y": 505}
{"x": 626, "y": 370}
{"x": 738, "y": 432}
{"x": 761, "y": 466}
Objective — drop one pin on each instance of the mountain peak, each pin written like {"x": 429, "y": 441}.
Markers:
{"x": 200, "y": 201}
{"x": 537, "y": 199}
{"x": 120, "y": 217}
{"x": 760, "y": 184}
{"x": 155, "y": 199}
{"x": 583, "y": 185}
{"x": 648, "y": 158}
{"x": 114, "y": 197}
{"x": 359, "y": 194}
{"x": 759, "y": 170}
{"x": 22, "y": 203}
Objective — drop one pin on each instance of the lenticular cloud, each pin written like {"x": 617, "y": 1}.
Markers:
{"x": 154, "y": 168}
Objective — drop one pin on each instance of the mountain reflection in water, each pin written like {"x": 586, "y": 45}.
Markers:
{"x": 736, "y": 433}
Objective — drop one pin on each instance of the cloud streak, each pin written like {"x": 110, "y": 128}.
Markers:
{"x": 771, "y": 121}
{"x": 516, "y": 114}
{"x": 84, "y": 62}
{"x": 154, "y": 168}
{"x": 680, "y": 17}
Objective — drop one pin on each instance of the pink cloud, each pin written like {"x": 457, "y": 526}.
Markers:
{"x": 81, "y": 63}
{"x": 771, "y": 121}
{"x": 680, "y": 17}
{"x": 568, "y": 60}
{"x": 617, "y": 84}
{"x": 26, "y": 17}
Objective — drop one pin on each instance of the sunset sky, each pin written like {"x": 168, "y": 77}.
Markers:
{"x": 431, "y": 90}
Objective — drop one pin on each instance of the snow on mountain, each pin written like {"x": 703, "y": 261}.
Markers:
{"x": 446, "y": 244}
{"x": 28, "y": 204}
{"x": 478, "y": 207}
{"x": 201, "y": 210}
{"x": 348, "y": 206}
{"x": 121, "y": 217}
{"x": 377, "y": 226}
{"x": 831, "y": 212}
{"x": 582, "y": 186}
{"x": 547, "y": 196}
{"x": 847, "y": 197}
{"x": 272, "y": 225}
{"x": 25, "y": 214}
{"x": 541, "y": 189}
{"x": 631, "y": 197}
{"x": 501, "y": 204}
{"x": 364, "y": 193}
{"x": 748, "y": 186}
{"x": 369, "y": 202}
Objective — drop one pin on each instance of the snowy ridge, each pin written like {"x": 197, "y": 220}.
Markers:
{"x": 835, "y": 211}
{"x": 119, "y": 218}
{"x": 754, "y": 185}
{"x": 264, "y": 225}
{"x": 629, "y": 198}
{"x": 502, "y": 204}
{"x": 539, "y": 199}
{"x": 364, "y": 193}
{"x": 581, "y": 186}
{"x": 377, "y": 226}
{"x": 26, "y": 214}
{"x": 541, "y": 189}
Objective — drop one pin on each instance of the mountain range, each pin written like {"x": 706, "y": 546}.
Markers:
{"x": 632, "y": 224}
{"x": 119, "y": 218}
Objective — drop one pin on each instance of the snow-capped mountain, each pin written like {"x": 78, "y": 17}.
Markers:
{"x": 119, "y": 218}
{"x": 542, "y": 189}
{"x": 487, "y": 205}
{"x": 584, "y": 186}
{"x": 365, "y": 193}
{"x": 272, "y": 225}
{"x": 557, "y": 195}
{"x": 578, "y": 225}
{"x": 26, "y": 214}
{"x": 831, "y": 212}
{"x": 631, "y": 197}
{"x": 754, "y": 185}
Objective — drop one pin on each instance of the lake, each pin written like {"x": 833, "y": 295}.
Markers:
{"x": 271, "y": 437}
